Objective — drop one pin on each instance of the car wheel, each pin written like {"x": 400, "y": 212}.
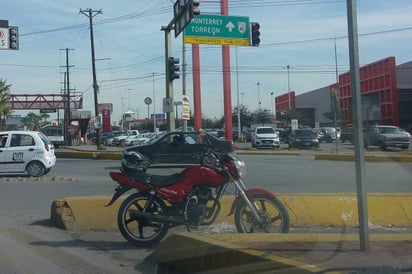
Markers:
{"x": 147, "y": 160}
{"x": 35, "y": 169}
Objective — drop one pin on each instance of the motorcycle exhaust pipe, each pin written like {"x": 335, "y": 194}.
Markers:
{"x": 139, "y": 215}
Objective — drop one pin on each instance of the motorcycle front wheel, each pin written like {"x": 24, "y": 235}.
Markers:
{"x": 140, "y": 230}
{"x": 270, "y": 209}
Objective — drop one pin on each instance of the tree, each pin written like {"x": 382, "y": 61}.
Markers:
{"x": 262, "y": 116}
{"x": 32, "y": 121}
{"x": 44, "y": 117}
{"x": 4, "y": 99}
{"x": 246, "y": 117}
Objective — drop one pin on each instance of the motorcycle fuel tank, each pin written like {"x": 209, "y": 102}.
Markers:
{"x": 193, "y": 176}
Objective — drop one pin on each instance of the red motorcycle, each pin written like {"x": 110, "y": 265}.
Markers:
{"x": 191, "y": 198}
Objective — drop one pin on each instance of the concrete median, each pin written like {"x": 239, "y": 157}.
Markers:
{"x": 263, "y": 253}
{"x": 317, "y": 210}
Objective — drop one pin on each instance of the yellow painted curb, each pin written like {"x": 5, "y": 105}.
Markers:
{"x": 339, "y": 209}
{"x": 110, "y": 155}
{"x": 76, "y": 154}
{"x": 369, "y": 158}
{"x": 194, "y": 253}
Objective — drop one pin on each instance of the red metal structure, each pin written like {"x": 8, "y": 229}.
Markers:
{"x": 379, "y": 93}
{"x": 282, "y": 102}
{"x": 45, "y": 101}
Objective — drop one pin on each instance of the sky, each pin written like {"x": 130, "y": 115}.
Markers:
{"x": 130, "y": 49}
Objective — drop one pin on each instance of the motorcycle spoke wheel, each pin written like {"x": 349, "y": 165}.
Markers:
{"x": 270, "y": 209}
{"x": 141, "y": 231}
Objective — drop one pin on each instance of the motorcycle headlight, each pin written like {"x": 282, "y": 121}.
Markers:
{"x": 240, "y": 167}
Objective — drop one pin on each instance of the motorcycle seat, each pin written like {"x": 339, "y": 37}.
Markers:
{"x": 156, "y": 180}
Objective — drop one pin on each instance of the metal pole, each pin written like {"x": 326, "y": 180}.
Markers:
{"x": 259, "y": 102}
{"x": 183, "y": 77}
{"x": 154, "y": 105}
{"x": 227, "y": 93}
{"x": 169, "y": 84}
{"x": 358, "y": 128}
{"x": 335, "y": 97}
{"x": 289, "y": 103}
{"x": 238, "y": 106}
{"x": 91, "y": 13}
{"x": 273, "y": 105}
{"x": 68, "y": 96}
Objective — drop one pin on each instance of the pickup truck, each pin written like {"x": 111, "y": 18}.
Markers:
{"x": 119, "y": 140}
{"x": 385, "y": 136}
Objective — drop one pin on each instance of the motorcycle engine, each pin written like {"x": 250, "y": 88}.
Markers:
{"x": 196, "y": 207}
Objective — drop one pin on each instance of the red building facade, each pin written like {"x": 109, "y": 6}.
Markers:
{"x": 379, "y": 93}
{"x": 282, "y": 102}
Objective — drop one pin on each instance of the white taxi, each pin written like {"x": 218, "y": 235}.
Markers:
{"x": 26, "y": 152}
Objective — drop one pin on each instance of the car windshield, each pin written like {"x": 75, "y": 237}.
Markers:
{"x": 264, "y": 130}
{"x": 305, "y": 133}
{"x": 389, "y": 130}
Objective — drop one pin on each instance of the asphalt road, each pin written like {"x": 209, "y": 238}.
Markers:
{"x": 278, "y": 173}
{"x": 28, "y": 244}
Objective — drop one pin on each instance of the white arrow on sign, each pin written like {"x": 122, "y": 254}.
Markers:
{"x": 230, "y": 26}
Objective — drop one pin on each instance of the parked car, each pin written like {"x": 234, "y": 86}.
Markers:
{"x": 403, "y": 131}
{"x": 303, "y": 138}
{"x": 247, "y": 134}
{"x": 265, "y": 137}
{"x": 110, "y": 135}
{"x": 346, "y": 134}
{"x": 119, "y": 140}
{"x": 385, "y": 136}
{"x": 141, "y": 139}
{"x": 28, "y": 152}
{"x": 179, "y": 147}
{"x": 328, "y": 134}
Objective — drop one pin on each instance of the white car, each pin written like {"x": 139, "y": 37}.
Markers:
{"x": 26, "y": 152}
{"x": 265, "y": 137}
{"x": 130, "y": 139}
{"x": 142, "y": 139}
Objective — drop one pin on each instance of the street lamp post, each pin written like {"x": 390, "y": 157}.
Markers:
{"x": 258, "y": 86}
{"x": 289, "y": 104}
{"x": 154, "y": 104}
{"x": 272, "y": 104}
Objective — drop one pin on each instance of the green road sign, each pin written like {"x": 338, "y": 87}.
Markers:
{"x": 218, "y": 30}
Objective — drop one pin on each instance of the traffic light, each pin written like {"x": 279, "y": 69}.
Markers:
{"x": 195, "y": 7}
{"x": 14, "y": 38}
{"x": 173, "y": 65}
{"x": 255, "y": 34}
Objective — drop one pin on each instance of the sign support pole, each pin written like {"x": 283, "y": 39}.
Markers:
{"x": 169, "y": 84}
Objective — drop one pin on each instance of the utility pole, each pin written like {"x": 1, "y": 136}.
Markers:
{"x": 67, "y": 111}
{"x": 90, "y": 14}
{"x": 183, "y": 78}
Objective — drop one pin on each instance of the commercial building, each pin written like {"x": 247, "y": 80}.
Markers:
{"x": 386, "y": 97}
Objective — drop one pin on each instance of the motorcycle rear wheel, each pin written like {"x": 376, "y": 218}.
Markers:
{"x": 271, "y": 209}
{"x": 140, "y": 231}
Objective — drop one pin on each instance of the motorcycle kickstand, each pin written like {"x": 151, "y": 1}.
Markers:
{"x": 187, "y": 228}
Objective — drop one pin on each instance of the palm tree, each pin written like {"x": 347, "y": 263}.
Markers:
{"x": 32, "y": 121}
{"x": 4, "y": 99}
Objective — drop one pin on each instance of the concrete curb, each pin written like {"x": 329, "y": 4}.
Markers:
{"x": 261, "y": 253}
{"x": 318, "y": 210}
{"x": 116, "y": 155}
{"x": 368, "y": 158}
